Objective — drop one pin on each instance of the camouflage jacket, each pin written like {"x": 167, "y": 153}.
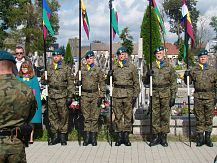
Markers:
{"x": 17, "y": 107}
{"x": 60, "y": 81}
{"x": 205, "y": 81}
{"x": 17, "y": 102}
{"x": 164, "y": 80}
{"x": 125, "y": 80}
{"x": 92, "y": 80}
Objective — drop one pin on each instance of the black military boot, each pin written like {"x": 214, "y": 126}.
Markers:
{"x": 119, "y": 139}
{"x": 87, "y": 139}
{"x": 126, "y": 139}
{"x": 200, "y": 140}
{"x": 156, "y": 139}
{"x": 164, "y": 140}
{"x": 49, "y": 141}
{"x": 208, "y": 140}
{"x": 93, "y": 139}
{"x": 55, "y": 139}
{"x": 63, "y": 139}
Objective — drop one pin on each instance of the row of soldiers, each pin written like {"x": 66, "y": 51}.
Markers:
{"x": 17, "y": 103}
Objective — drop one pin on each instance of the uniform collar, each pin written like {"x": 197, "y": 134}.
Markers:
{"x": 160, "y": 63}
{"x": 202, "y": 66}
{"x": 90, "y": 67}
{"x": 124, "y": 62}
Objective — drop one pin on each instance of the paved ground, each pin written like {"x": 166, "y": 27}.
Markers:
{"x": 139, "y": 152}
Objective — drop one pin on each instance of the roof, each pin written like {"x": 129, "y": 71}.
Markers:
{"x": 106, "y": 47}
{"x": 171, "y": 49}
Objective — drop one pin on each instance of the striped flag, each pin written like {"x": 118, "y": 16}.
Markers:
{"x": 46, "y": 14}
{"x": 115, "y": 29}
{"x": 85, "y": 19}
{"x": 160, "y": 20}
{"x": 186, "y": 22}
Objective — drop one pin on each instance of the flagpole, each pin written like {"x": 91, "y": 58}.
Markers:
{"x": 150, "y": 46}
{"x": 79, "y": 68}
{"x": 45, "y": 71}
{"x": 110, "y": 7}
{"x": 188, "y": 88}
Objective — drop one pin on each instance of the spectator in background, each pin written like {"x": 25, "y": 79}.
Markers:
{"x": 26, "y": 75}
{"x": 19, "y": 58}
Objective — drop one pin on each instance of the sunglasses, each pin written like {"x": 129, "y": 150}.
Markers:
{"x": 19, "y": 53}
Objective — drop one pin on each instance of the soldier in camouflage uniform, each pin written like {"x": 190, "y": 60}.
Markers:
{"x": 61, "y": 87}
{"x": 164, "y": 94}
{"x": 17, "y": 107}
{"x": 204, "y": 78}
{"x": 93, "y": 90}
{"x": 125, "y": 91}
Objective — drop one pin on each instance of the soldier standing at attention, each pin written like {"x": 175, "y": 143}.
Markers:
{"x": 61, "y": 87}
{"x": 164, "y": 94}
{"x": 93, "y": 90}
{"x": 125, "y": 92}
{"x": 17, "y": 107}
{"x": 204, "y": 78}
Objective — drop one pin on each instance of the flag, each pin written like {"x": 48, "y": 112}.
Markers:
{"x": 46, "y": 14}
{"x": 186, "y": 22}
{"x": 85, "y": 19}
{"x": 160, "y": 20}
{"x": 115, "y": 29}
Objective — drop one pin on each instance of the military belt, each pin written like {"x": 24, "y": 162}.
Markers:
{"x": 123, "y": 86}
{"x": 204, "y": 90}
{"x": 90, "y": 90}
{"x": 161, "y": 86}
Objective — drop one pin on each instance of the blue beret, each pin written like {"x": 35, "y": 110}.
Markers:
{"x": 121, "y": 50}
{"x": 158, "y": 49}
{"x": 7, "y": 56}
{"x": 202, "y": 52}
{"x": 57, "y": 52}
{"x": 89, "y": 53}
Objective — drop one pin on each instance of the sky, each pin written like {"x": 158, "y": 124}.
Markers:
{"x": 130, "y": 15}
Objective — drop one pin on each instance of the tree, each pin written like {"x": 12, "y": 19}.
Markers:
{"x": 127, "y": 40}
{"x": 62, "y": 49}
{"x": 11, "y": 16}
{"x": 181, "y": 53}
{"x": 173, "y": 10}
{"x": 145, "y": 34}
{"x": 213, "y": 24}
{"x": 203, "y": 33}
{"x": 68, "y": 55}
{"x": 21, "y": 21}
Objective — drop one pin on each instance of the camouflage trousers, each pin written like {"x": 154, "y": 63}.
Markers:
{"x": 203, "y": 110}
{"x": 160, "y": 115}
{"x": 12, "y": 151}
{"x": 58, "y": 115}
{"x": 123, "y": 111}
{"x": 91, "y": 113}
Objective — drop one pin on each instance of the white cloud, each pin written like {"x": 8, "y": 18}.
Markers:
{"x": 130, "y": 14}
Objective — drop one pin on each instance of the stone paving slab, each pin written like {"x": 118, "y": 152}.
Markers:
{"x": 139, "y": 152}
